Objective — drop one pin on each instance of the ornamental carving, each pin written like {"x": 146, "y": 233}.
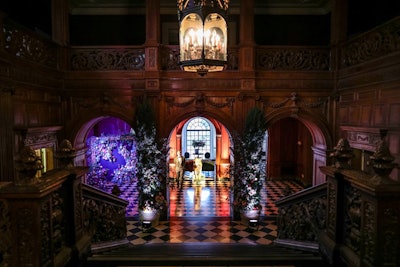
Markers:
{"x": 26, "y": 241}
{"x": 369, "y": 232}
{"x": 303, "y": 221}
{"x": 352, "y": 218}
{"x": 27, "y": 46}
{"x": 378, "y": 43}
{"x": 391, "y": 234}
{"x": 78, "y": 209}
{"x": 42, "y": 138}
{"x": 104, "y": 221}
{"x": 58, "y": 234}
{"x": 45, "y": 233}
{"x": 5, "y": 234}
{"x": 170, "y": 58}
{"x": 331, "y": 224}
{"x": 200, "y": 100}
{"x": 296, "y": 59}
{"x": 108, "y": 59}
{"x": 295, "y": 101}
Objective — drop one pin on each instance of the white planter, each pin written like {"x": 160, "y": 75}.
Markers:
{"x": 250, "y": 217}
{"x": 250, "y": 214}
{"x": 152, "y": 216}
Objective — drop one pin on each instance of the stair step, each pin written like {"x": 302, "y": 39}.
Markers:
{"x": 204, "y": 254}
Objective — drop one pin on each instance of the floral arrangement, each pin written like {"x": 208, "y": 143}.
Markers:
{"x": 119, "y": 152}
{"x": 198, "y": 143}
{"x": 247, "y": 170}
{"x": 152, "y": 161}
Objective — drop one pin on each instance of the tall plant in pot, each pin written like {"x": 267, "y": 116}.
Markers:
{"x": 151, "y": 166}
{"x": 248, "y": 171}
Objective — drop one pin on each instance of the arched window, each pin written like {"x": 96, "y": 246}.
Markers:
{"x": 199, "y": 138}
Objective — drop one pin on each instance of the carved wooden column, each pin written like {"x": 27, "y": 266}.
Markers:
{"x": 338, "y": 29}
{"x": 60, "y": 29}
{"x": 152, "y": 64}
{"x": 6, "y": 134}
{"x": 247, "y": 50}
{"x": 60, "y": 21}
{"x": 38, "y": 222}
{"x": 331, "y": 238}
{"x": 363, "y": 213}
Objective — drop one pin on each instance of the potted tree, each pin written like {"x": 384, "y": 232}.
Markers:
{"x": 151, "y": 166}
{"x": 248, "y": 171}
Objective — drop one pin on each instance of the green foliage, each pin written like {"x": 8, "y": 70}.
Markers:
{"x": 255, "y": 128}
{"x": 145, "y": 119}
{"x": 247, "y": 168}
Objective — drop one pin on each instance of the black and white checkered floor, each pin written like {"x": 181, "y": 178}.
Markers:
{"x": 213, "y": 230}
{"x": 203, "y": 214}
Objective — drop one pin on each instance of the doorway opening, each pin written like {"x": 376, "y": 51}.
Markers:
{"x": 205, "y": 144}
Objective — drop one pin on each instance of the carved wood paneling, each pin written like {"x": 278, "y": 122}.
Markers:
{"x": 28, "y": 46}
{"x": 5, "y": 234}
{"x": 291, "y": 58}
{"x": 90, "y": 59}
{"x": 377, "y": 43}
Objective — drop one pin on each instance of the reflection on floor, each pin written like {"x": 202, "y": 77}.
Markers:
{"x": 202, "y": 214}
{"x": 212, "y": 199}
{"x": 213, "y": 230}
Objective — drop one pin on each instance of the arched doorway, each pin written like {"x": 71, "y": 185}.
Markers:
{"x": 289, "y": 151}
{"x": 110, "y": 154}
{"x": 208, "y": 140}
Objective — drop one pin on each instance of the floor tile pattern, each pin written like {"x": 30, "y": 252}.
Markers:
{"x": 211, "y": 199}
{"x": 213, "y": 230}
{"x": 202, "y": 214}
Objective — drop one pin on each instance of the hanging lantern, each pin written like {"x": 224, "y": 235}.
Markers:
{"x": 203, "y": 35}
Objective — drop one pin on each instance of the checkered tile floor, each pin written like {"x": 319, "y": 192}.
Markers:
{"x": 210, "y": 200}
{"x": 215, "y": 230}
{"x": 202, "y": 214}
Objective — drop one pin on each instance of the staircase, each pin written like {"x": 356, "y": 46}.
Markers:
{"x": 205, "y": 254}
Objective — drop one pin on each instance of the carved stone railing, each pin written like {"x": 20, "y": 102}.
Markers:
{"x": 378, "y": 42}
{"x": 107, "y": 58}
{"x": 292, "y": 58}
{"x": 28, "y": 45}
{"x": 302, "y": 217}
{"x": 104, "y": 218}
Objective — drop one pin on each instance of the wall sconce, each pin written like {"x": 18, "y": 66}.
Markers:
{"x": 203, "y": 35}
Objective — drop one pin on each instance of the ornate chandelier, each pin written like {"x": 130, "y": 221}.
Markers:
{"x": 203, "y": 35}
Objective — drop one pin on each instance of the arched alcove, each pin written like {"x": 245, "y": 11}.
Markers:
{"x": 318, "y": 130}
